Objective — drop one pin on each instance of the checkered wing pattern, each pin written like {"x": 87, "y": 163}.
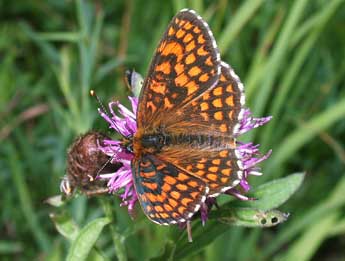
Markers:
{"x": 166, "y": 193}
{"x": 185, "y": 65}
{"x": 216, "y": 112}
{"x": 216, "y": 163}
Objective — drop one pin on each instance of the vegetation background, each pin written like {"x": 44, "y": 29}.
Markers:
{"x": 290, "y": 56}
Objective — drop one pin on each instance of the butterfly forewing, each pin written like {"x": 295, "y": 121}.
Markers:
{"x": 186, "y": 64}
{"x": 216, "y": 112}
{"x": 167, "y": 194}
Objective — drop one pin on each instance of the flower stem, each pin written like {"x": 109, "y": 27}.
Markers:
{"x": 118, "y": 239}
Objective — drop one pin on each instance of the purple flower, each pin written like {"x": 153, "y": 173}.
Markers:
{"x": 121, "y": 181}
{"x": 248, "y": 152}
{"x": 123, "y": 121}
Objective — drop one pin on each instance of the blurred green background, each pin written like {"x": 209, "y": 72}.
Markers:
{"x": 290, "y": 56}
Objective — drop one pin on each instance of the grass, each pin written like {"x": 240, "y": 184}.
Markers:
{"x": 289, "y": 54}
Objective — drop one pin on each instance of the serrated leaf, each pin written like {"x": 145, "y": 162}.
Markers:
{"x": 65, "y": 225}
{"x": 249, "y": 217}
{"x": 86, "y": 239}
{"x": 272, "y": 194}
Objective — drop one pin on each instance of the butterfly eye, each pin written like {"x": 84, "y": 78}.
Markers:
{"x": 129, "y": 147}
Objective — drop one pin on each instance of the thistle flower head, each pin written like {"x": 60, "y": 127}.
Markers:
{"x": 121, "y": 181}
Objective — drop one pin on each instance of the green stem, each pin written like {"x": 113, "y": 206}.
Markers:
{"x": 118, "y": 239}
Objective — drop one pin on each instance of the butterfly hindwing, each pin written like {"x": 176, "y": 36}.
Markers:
{"x": 186, "y": 64}
{"x": 217, "y": 163}
{"x": 167, "y": 194}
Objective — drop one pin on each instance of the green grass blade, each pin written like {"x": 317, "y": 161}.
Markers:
{"x": 305, "y": 133}
{"x": 236, "y": 24}
{"x": 338, "y": 229}
{"x": 25, "y": 201}
{"x": 260, "y": 58}
{"x": 72, "y": 37}
{"x": 305, "y": 247}
{"x": 294, "y": 69}
{"x": 197, "y": 5}
{"x": 277, "y": 57}
{"x": 178, "y": 5}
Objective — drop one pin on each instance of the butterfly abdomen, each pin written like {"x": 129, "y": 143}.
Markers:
{"x": 156, "y": 142}
{"x": 198, "y": 141}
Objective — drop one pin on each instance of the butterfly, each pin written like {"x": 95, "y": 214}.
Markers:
{"x": 190, "y": 107}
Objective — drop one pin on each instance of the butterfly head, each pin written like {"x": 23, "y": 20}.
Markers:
{"x": 127, "y": 143}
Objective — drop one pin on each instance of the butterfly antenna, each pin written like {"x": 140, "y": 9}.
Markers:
{"x": 93, "y": 94}
{"x": 105, "y": 164}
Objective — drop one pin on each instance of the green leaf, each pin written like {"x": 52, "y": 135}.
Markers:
{"x": 250, "y": 217}
{"x": 65, "y": 225}
{"x": 86, "y": 239}
{"x": 273, "y": 194}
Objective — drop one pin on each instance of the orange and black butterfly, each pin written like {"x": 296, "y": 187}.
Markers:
{"x": 188, "y": 113}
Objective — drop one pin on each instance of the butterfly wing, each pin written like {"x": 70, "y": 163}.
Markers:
{"x": 217, "y": 112}
{"x": 214, "y": 116}
{"x": 218, "y": 163}
{"x": 167, "y": 194}
{"x": 186, "y": 64}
